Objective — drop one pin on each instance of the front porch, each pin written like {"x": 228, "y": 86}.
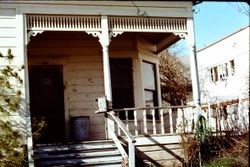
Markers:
{"x": 122, "y": 66}
{"x": 70, "y": 65}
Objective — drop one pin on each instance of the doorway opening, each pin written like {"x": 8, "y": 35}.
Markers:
{"x": 47, "y": 102}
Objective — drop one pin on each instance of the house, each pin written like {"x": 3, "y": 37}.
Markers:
{"x": 75, "y": 52}
{"x": 224, "y": 74}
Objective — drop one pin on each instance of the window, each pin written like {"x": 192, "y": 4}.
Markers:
{"x": 122, "y": 87}
{"x": 214, "y": 74}
{"x": 231, "y": 67}
{"x": 222, "y": 71}
{"x": 150, "y": 88}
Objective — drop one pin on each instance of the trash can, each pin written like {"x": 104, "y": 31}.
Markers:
{"x": 80, "y": 128}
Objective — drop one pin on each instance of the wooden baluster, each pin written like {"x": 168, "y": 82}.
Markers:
{"x": 171, "y": 121}
{"x": 145, "y": 121}
{"x": 72, "y": 22}
{"x": 59, "y": 22}
{"x": 50, "y": 22}
{"x": 42, "y": 22}
{"x": 31, "y": 21}
{"x": 87, "y": 23}
{"x": 209, "y": 115}
{"x": 154, "y": 124}
{"x": 118, "y": 129}
{"x": 162, "y": 121}
{"x": 126, "y": 114}
{"x": 56, "y": 22}
{"x": 39, "y": 21}
{"x": 183, "y": 120}
{"x": 135, "y": 123}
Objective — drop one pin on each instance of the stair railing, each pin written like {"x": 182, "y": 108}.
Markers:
{"x": 131, "y": 140}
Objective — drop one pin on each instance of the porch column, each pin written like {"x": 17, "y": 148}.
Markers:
{"x": 104, "y": 40}
{"x": 25, "y": 101}
{"x": 193, "y": 61}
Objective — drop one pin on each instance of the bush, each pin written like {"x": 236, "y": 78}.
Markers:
{"x": 12, "y": 152}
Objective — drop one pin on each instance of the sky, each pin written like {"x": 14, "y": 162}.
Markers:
{"x": 215, "y": 20}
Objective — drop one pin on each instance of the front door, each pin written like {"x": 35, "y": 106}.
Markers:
{"x": 47, "y": 102}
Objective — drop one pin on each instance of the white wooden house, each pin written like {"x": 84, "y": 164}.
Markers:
{"x": 224, "y": 67}
{"x": 77, "y": 51}
{"x": 224, "y": 76}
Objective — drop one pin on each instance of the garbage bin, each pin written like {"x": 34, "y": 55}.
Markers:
{"x": 80, "y": 128}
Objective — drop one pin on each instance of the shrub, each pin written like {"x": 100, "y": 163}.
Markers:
{"x": 11, "y": 148}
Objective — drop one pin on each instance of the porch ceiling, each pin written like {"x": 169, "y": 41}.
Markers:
{"x": 160, "y": 40}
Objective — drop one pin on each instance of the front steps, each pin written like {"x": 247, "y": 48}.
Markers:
{"x": 89, "y": 153}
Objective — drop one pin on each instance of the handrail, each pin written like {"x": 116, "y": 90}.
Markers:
{"x": 122, "y": 127}
{"x": 119, "y": 145}
{"x": 131, "y": 139}
{"x": 145, "y": 108}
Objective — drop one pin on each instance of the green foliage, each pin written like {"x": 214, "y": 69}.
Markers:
{"x": 11, "y": 149}
{"x": 202, "y": 131}
{"x": 224, "y": 162}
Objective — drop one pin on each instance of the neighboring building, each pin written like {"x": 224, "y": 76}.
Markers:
{"x": 77, "y": 51}
{"x": 224, "y": 68}
{"x": 224, "y": 82}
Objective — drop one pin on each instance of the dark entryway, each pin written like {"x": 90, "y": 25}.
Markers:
{"x": 122, "y": 84}
{"x": 47, "y": 102}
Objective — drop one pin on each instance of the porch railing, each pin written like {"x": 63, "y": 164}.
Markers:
{"x": 231, "y": 115}
{"x": 132, "y": 122}
{"x": 223, "y": 116}
{"x": 156, "y": 120}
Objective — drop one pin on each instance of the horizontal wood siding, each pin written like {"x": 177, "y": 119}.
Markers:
{"x": 81, "y": 57}
{"x": 7, "y": 31}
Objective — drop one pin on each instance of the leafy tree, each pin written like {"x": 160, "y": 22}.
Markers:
{"x": 175, "y": 79}
{"x": 11, "y": 151}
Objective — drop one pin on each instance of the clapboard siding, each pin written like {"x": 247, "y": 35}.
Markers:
{"x": 81, "y": 57}
{"x": 7, "y": 30}
{"x": 7, "y": 22}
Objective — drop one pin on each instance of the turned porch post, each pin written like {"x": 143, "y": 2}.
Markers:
{"x": 193, "y": 62}
{"x": 104, "y": 40}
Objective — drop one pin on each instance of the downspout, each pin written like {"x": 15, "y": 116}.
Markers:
{"x": 193, "y": 62}
{"x": 194, "y": 74}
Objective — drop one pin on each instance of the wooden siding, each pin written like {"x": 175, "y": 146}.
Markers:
{"x": 7, "y": 31}
{"x": 81, "y": 57}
